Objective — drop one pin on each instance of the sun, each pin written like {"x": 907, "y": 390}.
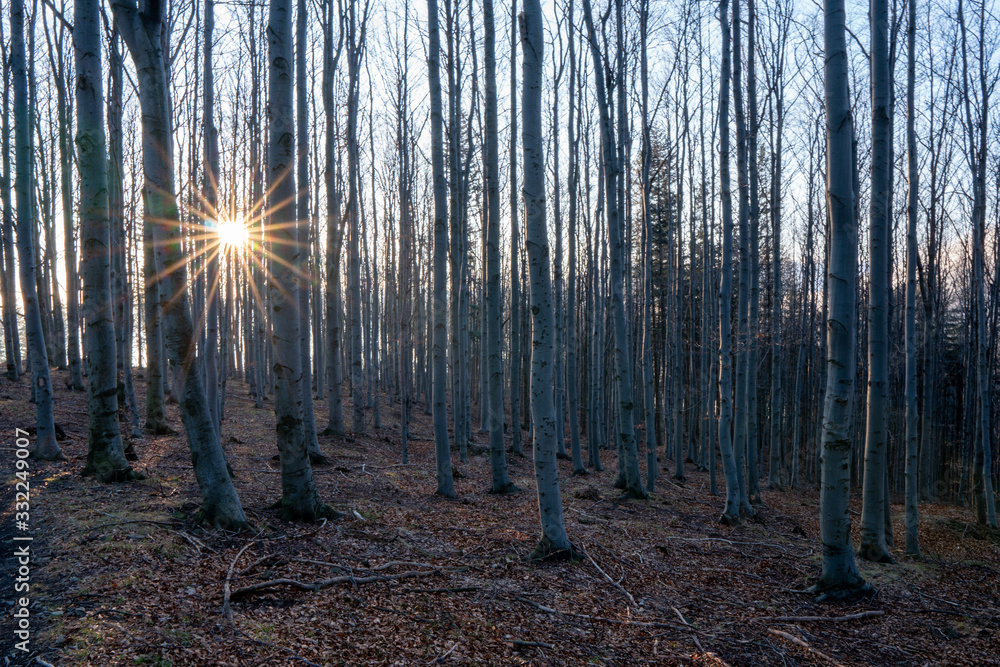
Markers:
{"x": 232, "y": 232}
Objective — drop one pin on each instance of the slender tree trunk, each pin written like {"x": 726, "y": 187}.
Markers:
{"x": 142, "y": 30}
{"x": 121, "y": 285}
{"x": 442, "y": 450}
{"x": 731, "y": 514}
{"x": 840, "y": 576}
{"x": 515, "y": 249}
{"x": 355, "y": 53}
{"x": 45, "y": 439}
{"x": 873, "y": 541}
{"x": 647, "y": 254}
{"x": 623, "y": 366}
{"x": 105, "y": 452}
{"x": 498, "y": 459}
{"x": 304, "y": 225}
{"x": 913, "y": 176}
{"x": 299, "y": 499}
{"x": 12, "y": 337}
{"x": 743, "y": 416}
{"x": 572, "y": 345}
{"x": 210, "y": 192}
{"x": 554, "y": 542}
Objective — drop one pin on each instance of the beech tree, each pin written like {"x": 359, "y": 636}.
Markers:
{"x": 554, "y": 541}
{"x": 105, "y": 451}
{"x": 141, "y": 26}
{"x": 840, "y": 576}
{"x": 46, "y": 446}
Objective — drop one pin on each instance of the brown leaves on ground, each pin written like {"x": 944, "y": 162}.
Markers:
{"x": 126, "y": 578}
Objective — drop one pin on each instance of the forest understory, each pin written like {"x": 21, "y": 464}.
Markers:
{"x": 123, "y": 574}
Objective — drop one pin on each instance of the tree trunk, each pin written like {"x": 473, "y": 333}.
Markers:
{"x": 45, "y": 440}
{"x": 623, "y": 366}
{"x": 304, "y": 225}
{"x": 731, "y": 514}
{"x": 12, "y": 337}
{"x": 554, "y": 542}
{"x": 913, "y": 176}
{"x": 515, "y": 249}
{"x": 142, "y": 30}
{"x": 840, "y": 576}
{"x": 873, "y": 542}
{"x": 105, "y": 452}
{"x": 498, "y": 459}
{"x": 442, "y": 450}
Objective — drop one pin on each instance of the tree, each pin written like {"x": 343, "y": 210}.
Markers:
{"x": 515, "y": 249}
{"x": 12, "y": 339}
{"x": 913, "y": 176}
{"x": 873, "y": 546}
{"x": 105, "y": 451}
{"x": 299, "y": 499}
{"x": 45, "y": 437}
{"x": 141, "y": 26}
{"x": 210, "y": 191}
{"x": 442, "y": 449}
{"x": 731, "y": 514}
{"x": 647, "y": 253}
{"x": 304, "y": 226}
{"x": 625, "y": 421}
{"x": 355, "y": 54}
{"x": 498, "y": 459}
{"x": 840, "y": 577}
{"x": 976, "y": 132}
{"x": 554, "y": 542}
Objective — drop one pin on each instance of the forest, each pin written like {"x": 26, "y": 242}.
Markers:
{"x": 547, "y": 332}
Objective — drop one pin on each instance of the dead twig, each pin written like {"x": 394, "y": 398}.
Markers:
{"x": 693, "y": 636}
{"x": 440, "y": 659}
{"x": 803, "y": 644}
{"x": 522, "y": 644}
{"x": 226, "y": 610}
{"x": 613, "y": 582}
{"x": 257, "y": 588}
{"x": 822, "y": 619}
{"x": 603, "y": 619}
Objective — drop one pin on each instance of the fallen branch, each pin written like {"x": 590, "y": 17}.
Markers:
{"x": 440, "y": 660}
{"x": 803, "y": 644}
{"x": 604, "y": 619}
{"x": 684, "y": 621}
{"x": 255, "y": 589}
{"x": 226, "y": 610}
{"x": 823, "y": 619}
{"x": 522, "y": 644}
{"x": 613, "y": 582}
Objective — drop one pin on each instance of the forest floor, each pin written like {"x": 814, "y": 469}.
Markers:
{"x": 122, "y": 576}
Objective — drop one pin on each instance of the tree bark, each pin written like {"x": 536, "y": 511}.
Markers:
{"x": 623, "y": 366}
{"x": 913, "y": 175}
{"x": 46, "y": 447}
{"x": 142, "y": 26}
{"x": 105, "y": 452}
{"x": 498, "y": 458}
{"x": 873, "y": 541}
{"x": 442, "y": 449}
{"x": 840, "y": 576}
{"x": 554, "y": 542}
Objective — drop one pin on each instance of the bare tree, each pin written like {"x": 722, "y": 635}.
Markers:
{"x": 45, "y": 437}
{"x": 840, "y": 576}
{"x": 554, "y": 541}
{"x": 141, "y": 26}
{"x": 873, "y": 544}
{"x": 105, "y": 451}
{"x": 442, "y": 450}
